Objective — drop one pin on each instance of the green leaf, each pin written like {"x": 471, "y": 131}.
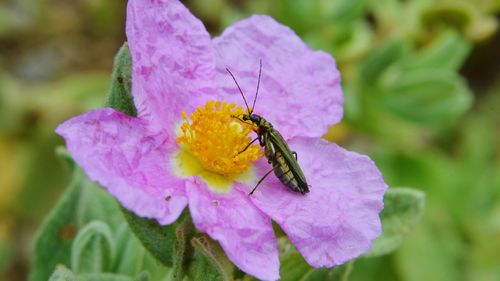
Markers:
{"x": 448, "y": 51}
{"x": 351, "y": 46}
{"x": 82, "y": 202}
{"x": 345, "y": 10}
{"x": 448, "y": 14}
{"x": 380, "y": 59}
{"x": 402, "y": 210}
{"x": 93, "y": 249}
{"x": 130, "y": 253}
{"x": 300, "y": 15}
{"x": 143, "y": 276}
{"x": 62, "y": 274}
{"x": 182, "y": 249}
{"x": 157, "y": 239}
{"x": 95, "y": 203}
{"x": 428, "y": 96}
{"x": 120, "y": 95}
{"x": 435, "y": 251}
{"x": 63, "y": 154}
{"x": 209, "y": 263}
{"x": 52, "y": 244}
{"x": 132, "y": 259}
{"x": 294, "y": 267}
{"x": 341, "y": 272}
{"x": 155, "y": 269}
{"x": 104, "y": 277}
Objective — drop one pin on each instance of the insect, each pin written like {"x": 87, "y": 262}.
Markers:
{"x": 283, "y": 159}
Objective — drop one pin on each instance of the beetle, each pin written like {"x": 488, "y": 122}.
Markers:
{"x": 278, "y": 153}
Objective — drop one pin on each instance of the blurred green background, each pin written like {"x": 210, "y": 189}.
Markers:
{"x": 422, "y": 86}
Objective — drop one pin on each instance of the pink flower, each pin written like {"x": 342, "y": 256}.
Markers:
{"x": 158, "y": 163}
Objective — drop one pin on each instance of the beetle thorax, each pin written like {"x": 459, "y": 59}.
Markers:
{"x": 258, "y": 121}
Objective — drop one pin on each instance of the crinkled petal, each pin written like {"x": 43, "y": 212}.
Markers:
{"x": 300, "y": 91}
{"x": 117, "y": 151}
{"x": 339, "y": 218}
{"x": 244, "y": 232}
{"x": 172, "y": 58}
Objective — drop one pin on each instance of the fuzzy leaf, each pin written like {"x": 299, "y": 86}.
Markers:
{"x": 209, "y": 263}
{"x": 182, "y": 249}
{"x": 402, "y": 210}
{"x": 294, "y": 268}
{"x": 341, "y": 272}
{"x": 157, "y": 239}
{"x": 449, "y": 14}
{"x": 82, "y": 202}
{"x": 380, "y": 59}
{"x": 346, "y": 10}
{"x": 448, "y": 51}
{"x": 430, "y": 96}
{"x": 130, "y": 253}
{"x": 300, "y": 15}
{"x": 63, "y": 154}
{"x": 143, "y": 276}
{"x": 104, "y": 277}
{"x": 62, "y": 274}
{"x": 120, "y": 96}
{"x": 154, "y": 269}
{"x": 133, "y": 259}
{"x": 93, "y": 249}
{"x": 52, "y": 244}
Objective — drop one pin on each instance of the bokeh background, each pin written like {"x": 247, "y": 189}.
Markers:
{"x": 422, "y": 86}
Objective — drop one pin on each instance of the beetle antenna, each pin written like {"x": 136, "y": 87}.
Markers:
{"x": 258, "y": 84}
{"x": 241, "y": 92}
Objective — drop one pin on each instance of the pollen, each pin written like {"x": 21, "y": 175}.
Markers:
{"x": 218, "y": 140}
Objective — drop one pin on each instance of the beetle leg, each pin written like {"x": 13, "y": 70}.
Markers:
{"x": 248, "y": 145}
{"x": 295, "y": 154}
{"x": 236, "y": 117}
{"x": 267, "y": 174}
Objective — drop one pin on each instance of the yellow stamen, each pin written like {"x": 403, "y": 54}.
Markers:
{"x": 215, "y": 138}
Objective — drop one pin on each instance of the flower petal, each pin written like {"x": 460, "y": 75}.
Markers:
{"x": 115, "y": 150}
{"x": 172, "y": 57}
{"x": 339, "y": 218}
{"x": 244, "y": 232}
{"x": 300, "y": 89}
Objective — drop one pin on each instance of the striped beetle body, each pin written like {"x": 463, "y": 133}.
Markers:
{"x": 283, "y": 159}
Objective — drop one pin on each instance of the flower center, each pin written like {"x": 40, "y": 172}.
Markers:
{"x": 216, "y": 139}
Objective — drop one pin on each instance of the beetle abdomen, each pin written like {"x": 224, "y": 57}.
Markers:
{"x": 283, "y": 172}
